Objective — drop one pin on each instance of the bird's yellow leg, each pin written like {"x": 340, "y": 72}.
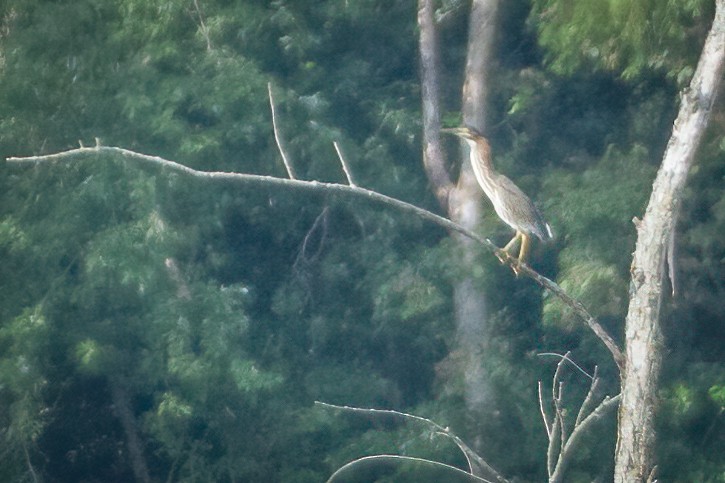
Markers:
{"x": 513, "y": 241}
{"x": 523, "y": 252}
{"x": 509, "y": 246}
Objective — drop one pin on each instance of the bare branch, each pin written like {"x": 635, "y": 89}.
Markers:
{"x": 366, "y": 460}
{"x": 320, "y": 220}
{"x": 558, "y": 458}
{"x": 589, "y": 397}
{"x": 557, "y": 391}
{"x": 336, "y": 188}
{"x": 345, "y": 168}
{"x": 547, "y": 424}
{"x": 551, "y": 454}
{"x": 575, "y": 305}
{"x": 475, "y": 462}
{"x": 202, "y": 25}
{"x": 568, "y": 359}
{"x": 31, "y": 470}
{"x": 557, "y": 373}
{"x": 560, "y": 415}
{"x": 277, "y": 137}
{"x": 604, "y": 407}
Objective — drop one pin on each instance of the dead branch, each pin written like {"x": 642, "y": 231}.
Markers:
{"x": 345, "y": 167}
{"x": 561, "y": 443}
{"x": 341, "y": 189}
{"x": 544, "y": 416}
{"x": 380, "y": 458}
{"x": 476, "y": 464}
{"x": 278, "y": 137}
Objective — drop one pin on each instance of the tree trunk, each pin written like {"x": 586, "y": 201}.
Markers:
{"x": 643, "y": 337}
{"x": 433, "y": 160}
{"x": 462, "y": 201}
{"x": 130, "y": 428}
{"x": 473, "y": 330}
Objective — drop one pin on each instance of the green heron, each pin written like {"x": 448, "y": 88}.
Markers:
{"x": 510, "y": 203}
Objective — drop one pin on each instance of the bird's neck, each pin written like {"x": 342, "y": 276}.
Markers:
{"x": 481, "y": 154}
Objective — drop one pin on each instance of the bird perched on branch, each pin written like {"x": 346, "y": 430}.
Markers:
{"x": 511, "y": 204}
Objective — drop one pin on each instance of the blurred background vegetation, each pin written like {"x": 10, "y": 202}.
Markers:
{"x": 218, "y": 313}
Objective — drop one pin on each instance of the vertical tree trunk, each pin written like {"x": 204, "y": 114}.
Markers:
{"x": 479, "y": 60}
{"x": 433, "y": 160}
{"x": 473, "y": 329}
{"x": 462, "y": 201}
{"x": 643, "y": 337}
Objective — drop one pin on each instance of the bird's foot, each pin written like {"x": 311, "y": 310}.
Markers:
{"x": 507, "y": 259}
{"x": 503, "y": 256}
{"x": 516, "y": 267}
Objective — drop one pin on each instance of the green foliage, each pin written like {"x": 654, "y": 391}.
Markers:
{"x": 224, "y": 311}
{"x": 24, "y": 343}
{"x": 628, "y": 36}
{"x": 594, "y": 211}
{"x": 693, "y": 416}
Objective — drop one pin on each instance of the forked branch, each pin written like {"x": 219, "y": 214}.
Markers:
{"x": 561, "y": 442}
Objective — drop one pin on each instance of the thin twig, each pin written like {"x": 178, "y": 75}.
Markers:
{"x": 577, "y": 306}
{"x": 568, "y": 359}
{"x": 556, "y": 461}
{"x": 557, "y": 394}
{"x": 560, "y": 416}
{"x": 31, "y": 470}
{"x": 551, "y": 455}
{"x": 321, "y": 219}
{"x": 277, "y": 137}
{"x": 348, "y": 190}
{"x": 547, "y": 425}
{"x": 589, "y": 397}
{"x": 345, "y": 168}
{"x": 557, "y": 373}
{"x": 204, "y": 28}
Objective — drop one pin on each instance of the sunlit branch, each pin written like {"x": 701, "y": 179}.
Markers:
{"x": 381, "y": 458}
{"x": 341, "y": 189}
{"x": 474, "y": 460}
{"x": 345, "y": 168}
{"x": 278, "y": 137}
{"x": 561, "y": 442}
{"x": 568, "y": 359}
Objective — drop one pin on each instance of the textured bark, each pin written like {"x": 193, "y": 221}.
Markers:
{"x": 635, "y": 444}
{"x": 479, "y": 59}
{"x": 433, "y": 159}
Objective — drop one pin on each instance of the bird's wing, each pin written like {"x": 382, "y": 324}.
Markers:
{"x": 518, "y": 211}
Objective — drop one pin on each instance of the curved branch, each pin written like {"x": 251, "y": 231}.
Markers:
{"x": 355, "y": 191}
{"x": 474, "y": 460}
{"x": 397, "y": 458}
